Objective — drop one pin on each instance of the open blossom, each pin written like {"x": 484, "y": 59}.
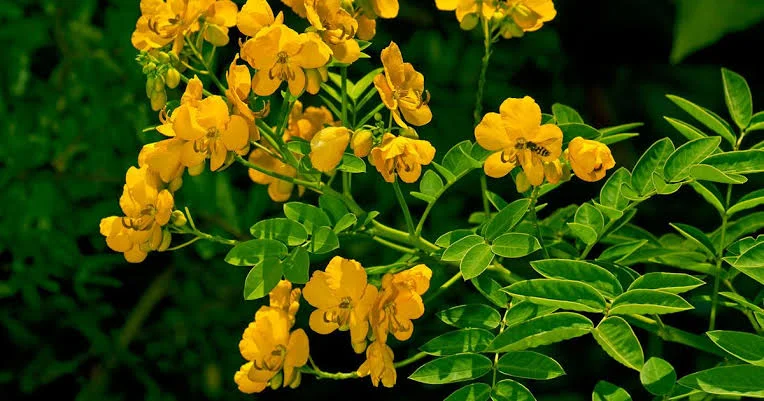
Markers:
{"x": 467, "y": 10}
{"x": 402, "y": 89}
{"x": 379, "y": 365}
{"x": 525, "y": 16}
{"x": 169, "y": 21}
{"x": 589, "y": 159}
{"x": 256, "y": 15}
{"x": 278, "y": 190}
{"x": 280, "y": 54}
{"x": 398, "y": 302}
{"x": 379, "y": 8}
{"x": 327, "y": 148}
{"x": 298, "y": 6}
{"x": 239, "y": 85}
{"x": 283, "y": 297}
{"x": 342, "y": 299}
{"x": 306, "y": 122}
{"x": 271, "y": 349}
{"x": 401, "y": 155}
{"x": 336, "y": 27}
{"x": 517, "y": 137}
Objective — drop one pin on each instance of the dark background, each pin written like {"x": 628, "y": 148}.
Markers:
{"x": 79, "y": 322}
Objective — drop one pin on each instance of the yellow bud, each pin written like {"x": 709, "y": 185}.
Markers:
{"x": 166, "y": 240}
{"x": 409, "y": 133}
{"x": 509, "y": 29}
{"x": 297, "y": 379}
{"x": 178, "y": 219}
{"x": 172, "y": 78}
{"x": 361, "y": 143}
{"x": 163, "y": 57}
{"x": 277, "y": 381}
{"x": 158, "y": 83}
{"x": 175, "y": 184}
{"x": 521, "y": 183}
{"x": 149, "y": 67}
{"x": 158, "y": 100}
{"x": 469, "y": 22}
{"x": 149, "y": 86}
{"x": 327, "y": 148}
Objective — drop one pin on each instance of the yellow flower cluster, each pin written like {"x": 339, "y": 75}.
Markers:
{"x": 516, "y": 137}
{"x": 345, "y": 301}
{"x": 274, "y": 352}
{"x": 510, "y": 18}
{"x": 147, "y": 204}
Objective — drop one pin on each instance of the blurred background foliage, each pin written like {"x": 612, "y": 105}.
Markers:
{"x": 79, "y": 322}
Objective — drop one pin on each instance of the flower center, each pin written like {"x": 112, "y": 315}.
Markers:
{"x": 273, "y": 361}
{"x": 341, "y": 317}
{"x": 394, "y": 325}
{"x": 532, "y": 146}
{"x": 205, "y": 144}
{"x": 413, "y": 98}
{"x": 281, "y": 69}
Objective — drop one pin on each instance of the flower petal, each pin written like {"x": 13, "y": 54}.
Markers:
{"x": 495, "y": 167}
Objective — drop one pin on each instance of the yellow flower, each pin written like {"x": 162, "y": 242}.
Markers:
{"x": 553, "y": 171}
{"x": 220, "y": 16}
{"x": 298, "y": 6}
{"x": 327, "y": 148}
{"x": 239, "y": 85}
{"x": 270, "y": 347}
{"x": 379, "y": 364}
{"x": 379, "y": 8}
{"x": 399, "y": 302}
{"x": 281, "y": 54}
{"x": 367, "y": 27}
{"x": 336, "y": 26}
{"x": 118, "y": 238}
{"x": 278, "y": 190}
{"x": 467, "y": 10}
{"x": 402, "y": 89}
{"x": 305, "y": 123}
{"x": 163, "y": 157}
{"x": 256, "y": 15}
{"x": 589, "y": 159}
{"x": 342, "y": 299}
{"x": 517, "y": 137}
{"x": 527, "y": 15}
{"x": 362, "y": 142}
{"x": 314, "y": 77}
{"x": 401, "y": 155}
{"x": 284, "y": 297}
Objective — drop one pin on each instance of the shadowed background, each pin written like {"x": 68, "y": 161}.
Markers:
{"x": 79, "y": 322}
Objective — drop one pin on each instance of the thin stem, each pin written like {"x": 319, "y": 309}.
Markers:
{"x": 496, "y": 359}
{"x": 445, "y": 286}
{"x": 326, "y": 375}
{"x": 205, "y": 65}
{"x": 185, "y": 244}
{"x": 344, "y": 88}
{"x": 393, "y": 245}
{"x": 477, "y": 114}
{"x": 405, "y": 208}
{"x": 271, "y": 153}
{"x": 535, "y": 220}
{"x": 719, "y": 255}
{"x": 675, "y": 335}
{"x": 347, "y": 183}
{"x": 308, "y": 184}
{"x": 410, "y": 360}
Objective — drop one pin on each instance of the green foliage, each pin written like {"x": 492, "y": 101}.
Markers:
{"x": 453, "y": 368}
{"x": 658, "y": 376}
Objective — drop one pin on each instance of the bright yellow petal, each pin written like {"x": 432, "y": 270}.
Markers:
{"x": 236, "y": 133}
{"x": 327, "y": 148}
{"x": 418, "y": 115}
{"x": 318, "y": 324}
{"x": 549, "y": 136}
{"x": 532, "y": 166}
{"x": 318, "y": 293}
{"x": 245, "y": 385}
{"x": 263, "y": 84}
{"x": 520, "y": 116}
{"x": 297, "y": 83}
{"x": 385, "y": 92}
{"x": 392, "y": 60}
{"x": 386, "y": 8}
{"x": 313, "y": 53}
{"x": 347, "y": 51}
{"x": 185, "y": 124}
{"x": 446, "y": 5}
{"x": 497, "y": 166}
{"x": 296, "y": 354}
{"x": 490, "y": 133}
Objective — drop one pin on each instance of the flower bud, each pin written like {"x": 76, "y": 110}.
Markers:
{"x": 166, "y": 240}
{"x": 158, "y": 83}
{"x": 178, "y": 219}
{"x": 327, "y": 148}
{"x": 149, "y": 67}
{"x": 521, "y": 182}
{"x": 149, "y": 86}
{"x": 172, "y": 78}
{"x": 589, "y": 159}
{"x": 469, "y": 22}
{"x": 362, "y": 142}
{"x": 158, "y": 100}
{"x": 277, "y": 381}
{"x": 175, "y": 184}
{"x": 297, "y": 379}
{"x": 509, "y": 29}
{"x": 163, "y": 57}
{"x": 409, "y": 133}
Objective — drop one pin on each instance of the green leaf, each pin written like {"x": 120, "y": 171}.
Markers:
{"x": 704, "y": 172}
{"x": 572, "y": 130}
{"x": 675, "y": 283}
{"x": 664, "y": 188}
{"x": 658, "y": 376}
{"x": 471, "y": 316}
{"x": 310, "y": 216}
{"x": 687, "y": 130}
{"x": 691, "y": 153}
{"x": 705, "y": 117}
{"x": 609, "y": 140}
{"x": 251, "y": 252}
{"x": 737, "y": 95}
{"x": 564, "y": 294}
{"x": 578, "y": 270}
{"x": 700, "y": 23}
{"x": 431, "y": 183}
{"x": 652, "y": 160}
{"x": 457, "y": 250}
{"x": 608, "y": 131}
{"x": 299, "y": 146}
{"x": 506, "y": 219}
{"x": 453, "y": 368}
{"x": 621, "y": 251}
{"x": 351, "y": 164}
{"x": 710, "y": 193}
{"x": 262, "y": 278}
{"x": 446, "y": 173}
{"x": 695, "y": 235}
{"x": 471, "y": 392}
{"x": 589, "y": 215}
{"x": 296, "y": 266}
{"x": 605, "y": 391}
{"x": 333, "y": 206}
{"x": 529, "y": 365}
{"x": 757, "y": 123}
{"x": 740, "y": 380}
{"x": 476, "y": 260}
{"x": 585, "y": 233}
{"x": 744, "y": 346}
{"x": 748, "y": 201}
{"x": 496, "y": 200}
{"x": 345, "y": 222}
{"x": 542, "y": 330}
{"x": 648, "y": 302}
{"x": 364, "y": 83}
{"x": 750, "y": 262}
{"x": 491, "y": 290}
{"x": 458, "y": 341}
{"x": 610, "y": 194}
{"x": 457, "y": 159}
{"x": 423, "y": 197}
{"x": 741, "y": 300}
{"x": 445, "y": 240}
{"x": 738, "y": 162}
{"x": 287, "y": 231}
{"x": 523, "y": 310}
{"x": 515, "y": 245}
{"x": 617, "y": 338}
{"x": 324, "y": 241}
{"x": 608, "y": 212}
{"x": 565, "y": 114}
{"x": 625, "y": 274}
{"x": 510, "y": 390}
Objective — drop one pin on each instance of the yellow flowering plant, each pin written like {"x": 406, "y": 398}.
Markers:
{"x": 580, "y": 270}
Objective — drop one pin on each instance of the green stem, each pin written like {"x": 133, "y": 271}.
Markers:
{"x": 410, "y": 360}
{"x": 719, "y": 256}
{"x": 401, "y": 236}
{"x": 206, "y": 66}
{"x": 344, "y": 88}
{"x": 393, "y": 245}
{"x": 675, "y": 335}
{"x": 478, "y": 112}
{"x": 535, "y": 220}
{"x": 496, "y": 359}
{"x": 307, "y": 184}
{"x": 445, "y": 286}
{"x": 326, "y": 375}
{"x": 405, "y": 208}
